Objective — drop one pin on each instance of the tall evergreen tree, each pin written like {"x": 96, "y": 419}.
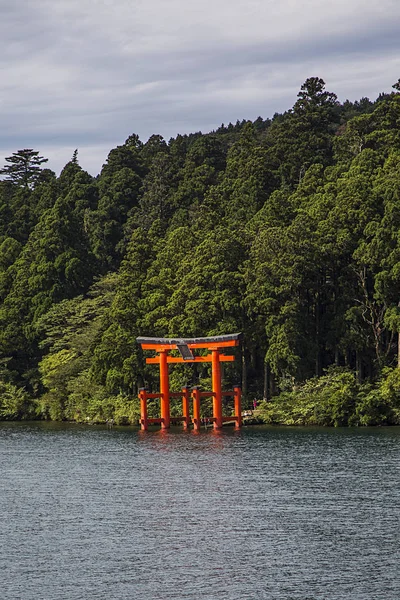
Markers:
{"x": 24, "y": 168}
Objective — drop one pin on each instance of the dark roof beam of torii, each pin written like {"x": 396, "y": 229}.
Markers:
{"x": 213, "y": 340}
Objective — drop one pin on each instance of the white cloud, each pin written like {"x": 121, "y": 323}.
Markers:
{"x": 87, "y": 73}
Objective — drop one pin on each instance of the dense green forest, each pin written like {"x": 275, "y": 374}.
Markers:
{"x": 286, "y": 229}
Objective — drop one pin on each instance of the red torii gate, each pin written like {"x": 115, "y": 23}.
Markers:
{"x": 163, "y": 346}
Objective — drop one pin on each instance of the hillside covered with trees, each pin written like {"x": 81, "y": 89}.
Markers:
{"x": 286, "y": 229}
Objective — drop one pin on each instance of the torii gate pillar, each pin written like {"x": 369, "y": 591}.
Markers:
{"x": 216, "y": 389}
{"x": 164, "y": 390}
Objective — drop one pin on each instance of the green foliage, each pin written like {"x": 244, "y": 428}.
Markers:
{"x": 15, "y": 403}
{"x": 286, "y": 229}
{"x": 88, "y": 401}
{"x": 24, "y": 168}
{"x": 304, "y": 135}
{"x": 336, "y": 399}
{"x": 70, "y": 331}
{"x": 326, "y": 401}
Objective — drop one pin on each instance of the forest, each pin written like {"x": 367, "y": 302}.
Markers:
{"x": 286, "y": 229}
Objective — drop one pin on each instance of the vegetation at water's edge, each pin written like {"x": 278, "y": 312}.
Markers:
{"x": 286, "y": 229}
{"x": 337, "y": 399}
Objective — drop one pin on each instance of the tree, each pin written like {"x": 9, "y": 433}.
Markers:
{"x": 70, "y": 330}
{"x": 24, "y": 168}
{"x": 117, "y": 360}
{"x": 396, "y": 86}
{"x": 304, "y": 135}
{"x": 313, "y": 95}
{"x": 119, "y": 189}
{"x": 56, "y": 263}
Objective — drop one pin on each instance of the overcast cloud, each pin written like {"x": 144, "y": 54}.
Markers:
{"x": 87, "y": 73}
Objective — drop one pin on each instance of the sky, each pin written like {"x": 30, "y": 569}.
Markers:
{"x": 88, "y": 73}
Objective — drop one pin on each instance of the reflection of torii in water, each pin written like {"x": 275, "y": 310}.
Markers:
{"x": 162, "y": 347}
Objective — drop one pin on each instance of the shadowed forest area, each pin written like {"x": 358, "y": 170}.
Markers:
{"x": 285, "y": 229}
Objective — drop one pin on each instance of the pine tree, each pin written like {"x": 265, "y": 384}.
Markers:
{"x": 24, "y": 168}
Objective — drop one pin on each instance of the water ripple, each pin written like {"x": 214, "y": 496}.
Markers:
{"x": 265, "y": 513}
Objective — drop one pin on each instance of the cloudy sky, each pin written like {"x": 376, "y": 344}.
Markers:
{"x": 87, "y": 73}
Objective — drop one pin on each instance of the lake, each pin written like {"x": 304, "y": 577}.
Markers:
{"x": 264, "y": 513}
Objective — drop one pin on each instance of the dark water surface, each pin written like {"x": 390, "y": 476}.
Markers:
{"x": 266, "y": 513}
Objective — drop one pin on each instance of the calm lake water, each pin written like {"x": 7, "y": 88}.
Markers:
{"x": 265, "y": 513}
